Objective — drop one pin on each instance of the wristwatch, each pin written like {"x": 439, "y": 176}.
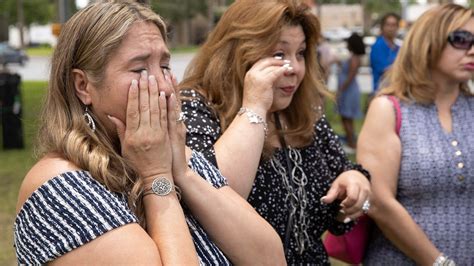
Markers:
{"x": 161, "y": 186}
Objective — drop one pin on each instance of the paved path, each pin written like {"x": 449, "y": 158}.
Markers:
{"x": 37, "y": 68}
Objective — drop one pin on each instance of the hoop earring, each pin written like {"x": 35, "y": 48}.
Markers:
{"x": 89, "y": 120}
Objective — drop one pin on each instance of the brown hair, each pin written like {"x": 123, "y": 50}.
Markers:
{"x": 86, "y": 42}
{"x": 248, "y": 31}
{"x": 408, "y": 79}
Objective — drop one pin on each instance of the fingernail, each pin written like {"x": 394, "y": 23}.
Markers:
{"x": 278, "y": 57}
{"x": 151, "y": 78}
{"x": 342, "y": 211}
{"x": 347, "y": 220}
{"x": 322, "y": 199}
{"x": 162, "y": 93}
{"x": 134, "y": 82}
{"x": 286, "y": 65}
{"x": 144, "y": 73}
{"x": 290, "y": 68}
{"x": 286, "y": 61}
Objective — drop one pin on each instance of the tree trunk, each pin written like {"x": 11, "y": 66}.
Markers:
{"x": 21, "y": 22}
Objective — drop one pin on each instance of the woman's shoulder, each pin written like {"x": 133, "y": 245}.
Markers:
{"x": 47, "y": 168}
{"x": 65, "y": 203}
{"x": 187, "y": 94}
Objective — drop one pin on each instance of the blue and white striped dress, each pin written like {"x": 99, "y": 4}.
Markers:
{"x": 72, "y": 209}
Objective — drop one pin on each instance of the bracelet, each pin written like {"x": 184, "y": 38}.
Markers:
{"x": 443, "y": 260}
{"x": 161, "y": 186}
{"x": 254, "y": 118}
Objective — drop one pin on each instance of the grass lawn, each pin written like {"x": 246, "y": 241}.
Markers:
{"x": 39, "y": 51}
{"x": 15, "y": 163}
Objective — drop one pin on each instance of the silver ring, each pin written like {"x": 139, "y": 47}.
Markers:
{"x": 181, "y": 117}
{"x": 366, "y": 206}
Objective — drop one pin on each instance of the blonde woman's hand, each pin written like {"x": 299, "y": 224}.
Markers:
{"x": 176, "y": 127}
{"x": 144, "y": 136}
{"x": 353, "y": 189}
{"x": 258, "y": 83}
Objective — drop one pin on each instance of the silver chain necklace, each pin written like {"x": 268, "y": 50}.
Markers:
{"x": 296, "y": 196}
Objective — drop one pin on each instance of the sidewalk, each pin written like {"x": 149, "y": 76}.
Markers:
{"x": 37, "y": 69}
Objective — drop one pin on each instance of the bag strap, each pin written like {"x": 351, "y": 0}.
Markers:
{"x": 398, "y": 113}
{"x": 289, "y": 224}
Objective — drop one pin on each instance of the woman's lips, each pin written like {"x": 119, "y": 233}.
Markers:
{"x": 288, "y": 89}
{"x": 469, "y": 66}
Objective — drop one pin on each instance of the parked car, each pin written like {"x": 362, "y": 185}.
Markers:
{"x": 9, "y": 54}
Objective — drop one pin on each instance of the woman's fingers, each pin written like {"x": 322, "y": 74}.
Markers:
{"x": 267, "y": 62}
{"x": 144, "y": 99}
{"x": 133, "y": 113}
{"x": 331, "y": 195}
{"x": 154, "y": 102}
{"x": 170, "y": 77}
{"x": 352, "y": 196}
{"x": 172, "y": 115}
{"x": 163, "y": 112}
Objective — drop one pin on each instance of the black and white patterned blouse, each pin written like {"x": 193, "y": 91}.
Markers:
{"x": 322, "y": 161}
{"x": 72, "y": 209}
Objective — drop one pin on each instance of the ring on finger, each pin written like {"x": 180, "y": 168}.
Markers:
{"x": 366, "y": 206}
{"x": 181, "y": 117}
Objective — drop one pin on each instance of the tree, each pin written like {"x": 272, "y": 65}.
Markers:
{"x": 35, "y": 11}
{"x": 179, "y": 13}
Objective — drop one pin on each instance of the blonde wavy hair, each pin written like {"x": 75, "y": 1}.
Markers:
{"x": 248, "y": 31}
{"x": 86, "y": 42}
{"x": 409, "y": 78}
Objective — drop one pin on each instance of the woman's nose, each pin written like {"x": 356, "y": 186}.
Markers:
{"x": 292, "y": 66}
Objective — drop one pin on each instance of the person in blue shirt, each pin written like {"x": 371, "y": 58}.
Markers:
{"x": 385, "y": 49}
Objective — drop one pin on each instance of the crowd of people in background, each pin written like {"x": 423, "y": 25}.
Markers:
{"x": 238, "y": 164}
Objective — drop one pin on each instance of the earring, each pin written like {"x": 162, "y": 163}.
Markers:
{"x": 89, "y": 120}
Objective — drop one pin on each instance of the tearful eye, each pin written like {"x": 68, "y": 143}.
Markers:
{"x": 279, "y": 54}
{"x": 138, "y": 70}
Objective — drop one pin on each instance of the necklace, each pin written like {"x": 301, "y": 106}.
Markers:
{"x": 294, "y": 182}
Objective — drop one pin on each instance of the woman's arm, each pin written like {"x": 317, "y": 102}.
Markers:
{"x": 238, "y": 150}
{"x": 379, "y": 150}
{"x": 145, "y": 142}
{"x": 351, "y": 182}
{"x": 243, "y": 235}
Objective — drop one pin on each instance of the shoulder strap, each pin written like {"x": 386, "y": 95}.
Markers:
{"x": 398, "y": 113}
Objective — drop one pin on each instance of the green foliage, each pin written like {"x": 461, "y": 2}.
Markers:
{"x": 379, "y": 8}
{"x": 35, "y": 11}
{"x": 178, "y": 10}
